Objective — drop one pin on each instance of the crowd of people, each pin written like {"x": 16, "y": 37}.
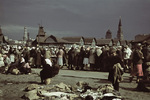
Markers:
{"x": 21, "y": 59}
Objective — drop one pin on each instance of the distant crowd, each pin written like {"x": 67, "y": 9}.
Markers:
{"x": 20, "y": 60}
{"x": 74, "y": 57}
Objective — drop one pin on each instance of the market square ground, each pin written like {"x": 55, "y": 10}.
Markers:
{"x": 12, "y": 86}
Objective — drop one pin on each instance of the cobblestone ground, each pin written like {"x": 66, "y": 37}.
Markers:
{"x": 12, "y": 86}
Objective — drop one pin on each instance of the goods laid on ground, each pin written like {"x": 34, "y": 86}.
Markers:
{"x": 61, "y": 91}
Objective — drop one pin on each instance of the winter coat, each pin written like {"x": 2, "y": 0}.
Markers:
{"x": 115, "y": 64}
{"x": 137, "y": 57}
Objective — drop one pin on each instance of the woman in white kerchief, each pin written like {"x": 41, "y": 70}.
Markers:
{"x": 24, "y": 67}
{"x": 48, "y": 71}
{"x": 92, "y": 58}
{"x": 98, "y": 59}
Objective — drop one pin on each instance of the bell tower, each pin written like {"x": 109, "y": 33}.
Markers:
{"x": 120, "y": 32}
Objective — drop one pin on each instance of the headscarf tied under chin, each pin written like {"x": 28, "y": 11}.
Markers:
{"x": 48, "y": 61}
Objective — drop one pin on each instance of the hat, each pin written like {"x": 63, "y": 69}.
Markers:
{"x": 112, "y": 50}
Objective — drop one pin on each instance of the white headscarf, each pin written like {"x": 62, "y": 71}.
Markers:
{"x": 22, "y": 60}
{"x": 98, "y": 52}
{"x": 48, "y": 61}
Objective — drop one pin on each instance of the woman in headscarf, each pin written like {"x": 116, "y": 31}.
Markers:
{"x": 92, "y": 58}
{"x": 24, "y": 67}
{"x": 98, "y": 59}
{"x": 137, "y": 59}
{"x": 48, "y": 71}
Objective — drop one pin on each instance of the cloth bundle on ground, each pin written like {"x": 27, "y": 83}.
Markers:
{"x": 63, "y": 91}
{"x": 48, "y": 70}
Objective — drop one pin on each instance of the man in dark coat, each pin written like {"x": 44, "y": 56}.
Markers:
{"x": 115, "y": 71}
{"x": 38, "y": 58}
{"x": 71, "y": 56}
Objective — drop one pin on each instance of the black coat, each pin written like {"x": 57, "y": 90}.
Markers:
{"x": 49, "y": 71}
{"x": 112, "y": 61}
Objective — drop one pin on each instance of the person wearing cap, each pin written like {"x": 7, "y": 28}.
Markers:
{"x": 115, "y": 68}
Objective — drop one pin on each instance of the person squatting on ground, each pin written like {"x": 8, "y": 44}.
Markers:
{"x": 49, "y": 70}
{"x": 115, "y": 69}
{"x": 19, "y": 67}
{"x": 24, "y": 67}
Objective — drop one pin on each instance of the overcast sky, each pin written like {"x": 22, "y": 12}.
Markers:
{"x": 87, "y": 18}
